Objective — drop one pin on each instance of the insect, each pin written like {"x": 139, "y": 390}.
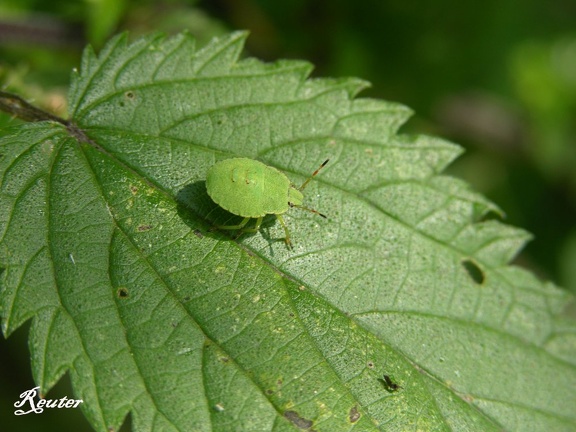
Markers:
{"x": 388, "y": 384}
{"x": 248, "y": 188}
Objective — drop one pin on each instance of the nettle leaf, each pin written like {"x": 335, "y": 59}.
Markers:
{"x": 398, "y": 312}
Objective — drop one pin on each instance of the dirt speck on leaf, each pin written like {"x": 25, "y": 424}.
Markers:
{"x": 354, "y": 415}
{"x": 299, "y": 422}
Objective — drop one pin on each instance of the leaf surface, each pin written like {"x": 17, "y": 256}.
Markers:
{"x": 106, "y": 245}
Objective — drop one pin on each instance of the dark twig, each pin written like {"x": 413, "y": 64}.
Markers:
{"x": 21, "y": 109}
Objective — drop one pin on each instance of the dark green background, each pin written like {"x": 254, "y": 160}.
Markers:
{"x": 498, "y": 77}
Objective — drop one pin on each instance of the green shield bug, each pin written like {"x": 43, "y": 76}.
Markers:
{"x": 250, "y": 189}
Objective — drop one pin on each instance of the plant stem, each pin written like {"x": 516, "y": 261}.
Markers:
{"x": 21, "y": 109}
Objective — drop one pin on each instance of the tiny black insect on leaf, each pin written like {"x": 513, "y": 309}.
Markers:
{"x": 389, "y": 385}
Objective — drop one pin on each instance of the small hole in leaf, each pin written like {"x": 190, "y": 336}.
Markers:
{"x": 122, "y": 292}
{"x": 491, "y": 215}
{"x": 474, "y": 271}
{"x": 129, "y": 95}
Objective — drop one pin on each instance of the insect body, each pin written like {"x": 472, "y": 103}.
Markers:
{"x": 251, "y": 189}
{"x": 388, "y": 384}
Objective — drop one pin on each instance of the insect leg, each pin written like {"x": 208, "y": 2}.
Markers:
{"x": 256, "y": 227}
{"x": 286, "y": 232}
{"x": 240, "y": 226}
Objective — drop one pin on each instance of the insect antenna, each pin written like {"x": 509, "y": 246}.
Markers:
{"x": 310, "y": 178}
{"x": 308, "y": 209}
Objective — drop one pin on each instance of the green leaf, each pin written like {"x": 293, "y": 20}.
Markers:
{"x": 102, "y": 16}
{"x": 106, "y": 246}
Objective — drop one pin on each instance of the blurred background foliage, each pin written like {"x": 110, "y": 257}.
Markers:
{"x": 498, "y": 78}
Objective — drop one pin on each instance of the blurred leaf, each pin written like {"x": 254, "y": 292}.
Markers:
{"x": 567, "y": 260}
{"x": 543, "y": 74}
{"x": 102, "y": 17}
{"x": 105, "y": 245}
